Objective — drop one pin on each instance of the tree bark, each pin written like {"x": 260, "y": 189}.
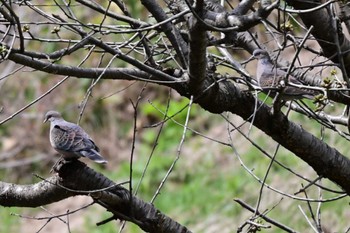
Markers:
{"x": 75, "y": 178}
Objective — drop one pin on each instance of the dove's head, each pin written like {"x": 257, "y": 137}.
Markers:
{"x": 260, "y": 53}
{"x": 51, "y": 116}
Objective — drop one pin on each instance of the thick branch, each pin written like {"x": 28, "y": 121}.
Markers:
{"x": 197, "y": 56}
{"x": 325, "y": 160}
{"x": 327, "y": 34}
{"x": 34, "y": 195}
{"x": 81, "y": 180}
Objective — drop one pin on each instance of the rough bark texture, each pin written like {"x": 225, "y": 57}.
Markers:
{"x": 327, "y": 32}
{"x": 75, "y": 178}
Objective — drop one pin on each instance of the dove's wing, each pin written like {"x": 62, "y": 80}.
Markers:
{"x": 271, "y": 77}
{"x": 71, "y": 139}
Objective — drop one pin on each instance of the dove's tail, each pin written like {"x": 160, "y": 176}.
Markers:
{"x": 93, "y": 155}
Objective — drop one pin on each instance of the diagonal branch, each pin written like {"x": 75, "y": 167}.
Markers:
{"x": 327, "y": 33}
{"x": 325, "y": 160}
{"x": 75, "y": 178}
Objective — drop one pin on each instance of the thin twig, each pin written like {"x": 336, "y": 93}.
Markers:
{"x": 177, "y": 154}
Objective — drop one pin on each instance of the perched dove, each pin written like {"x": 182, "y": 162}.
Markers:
{"x": 270, "y": 77}
{"x": 70, "y": 139}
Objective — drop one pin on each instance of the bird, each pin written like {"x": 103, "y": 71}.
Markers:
{"x": 269, "y": 76}
{"x": 70, "y": 140}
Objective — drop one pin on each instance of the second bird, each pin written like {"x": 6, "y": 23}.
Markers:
{"x": 269, "y": 76}
{"x": 70, "y": 140}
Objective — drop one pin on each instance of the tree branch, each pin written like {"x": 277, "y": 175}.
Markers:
{"x": 75, "y": 178}
{"x": 324, "y": 31}
{"x": 169, "y": 29}
{"x": 197, "y": 53}
{"x": 110, "y": 73}
{"x": 325, "y": 160}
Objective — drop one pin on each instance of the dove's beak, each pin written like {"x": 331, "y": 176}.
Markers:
{"x": 251, "y": 58}
{"x": 45, "y": 120}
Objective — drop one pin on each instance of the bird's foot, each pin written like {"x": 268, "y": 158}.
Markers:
{"x": 276, "y": 108}
{"x": 277, "y": 105}
{"x": 59, "y": 163}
